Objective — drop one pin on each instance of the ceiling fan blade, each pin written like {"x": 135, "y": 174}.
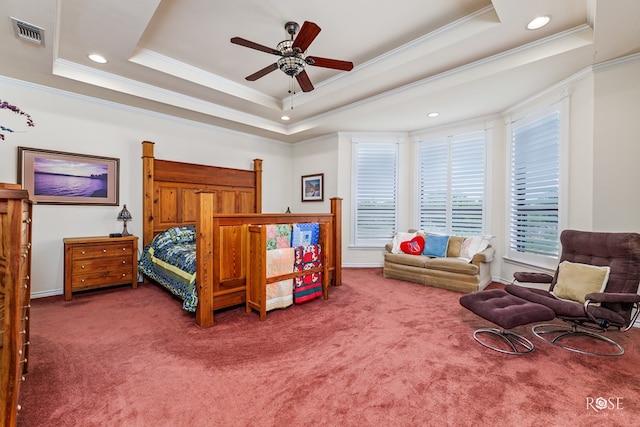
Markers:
{"x": 246, "y": 43}
{"x": 266, "y": 70}
{"x": 329, "y": 63}
{"x": 307, "y": 34}
{"x": 304, "y": 81}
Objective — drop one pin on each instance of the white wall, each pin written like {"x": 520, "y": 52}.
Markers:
{"x": 70, "y": 123}
{"x": 313, "y": 157}
{"x": 616, "y": 172}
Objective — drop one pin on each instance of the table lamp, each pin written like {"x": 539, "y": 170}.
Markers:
{"x": 125, "y": 216}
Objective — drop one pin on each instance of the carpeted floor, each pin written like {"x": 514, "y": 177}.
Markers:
{"x": 379, "y": 352}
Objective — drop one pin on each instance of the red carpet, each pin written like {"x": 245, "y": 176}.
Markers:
{"x": 379, "y": 352}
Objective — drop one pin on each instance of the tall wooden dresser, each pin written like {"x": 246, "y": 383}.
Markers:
{"x": 15, "y": 293}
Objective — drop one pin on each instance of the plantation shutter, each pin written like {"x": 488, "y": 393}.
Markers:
{"x": 376, "y": 181}
{"x": 434, "y": 191}
{"x": 452, "y": 182}
{"x": 535, "y": 164}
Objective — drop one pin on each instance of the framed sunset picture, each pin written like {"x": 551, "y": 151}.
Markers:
{"x": 56, "y": 177}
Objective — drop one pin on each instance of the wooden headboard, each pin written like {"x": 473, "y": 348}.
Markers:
{"x": 169, "y": 191}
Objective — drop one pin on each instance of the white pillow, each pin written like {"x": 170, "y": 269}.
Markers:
{"x": 400, "y": 237}
{"x": 474, "y": 244}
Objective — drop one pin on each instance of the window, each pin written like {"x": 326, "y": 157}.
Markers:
{"x": 375, "y": 178}
{"x": 452, "y": 184}
{"x": 534, "y": 188}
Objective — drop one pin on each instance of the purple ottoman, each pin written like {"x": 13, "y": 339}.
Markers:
{"x": 506, "y": 311}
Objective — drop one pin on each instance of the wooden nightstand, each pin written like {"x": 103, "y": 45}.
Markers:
{"x": 97, "y": 262}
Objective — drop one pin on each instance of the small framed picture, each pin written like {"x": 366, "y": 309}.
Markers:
{"x": 313, "y": 188}
{"x": 55, "y": 177}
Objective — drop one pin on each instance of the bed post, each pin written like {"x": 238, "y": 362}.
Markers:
{"x": 206, "y": 263}
{"x": 147, "y": 192}
{"x": 336, "y": 210}
{"x": 257, "y": 167}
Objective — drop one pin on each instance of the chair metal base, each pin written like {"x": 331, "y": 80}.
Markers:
{"x": 553, "y": 334}
{"x": 517, "y": 343}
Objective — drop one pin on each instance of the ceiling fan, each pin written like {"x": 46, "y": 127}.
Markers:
{"x": 292, "y": 55}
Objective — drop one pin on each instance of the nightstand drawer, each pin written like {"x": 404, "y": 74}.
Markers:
{"x": 97, "y": 262}
{"x": 83, "y": 266}
{"x": 101, "y": 250}
{"x": 98, "y": 278}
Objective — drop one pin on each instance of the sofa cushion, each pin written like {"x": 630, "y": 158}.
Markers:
{"x": 453, "y": 265}
{"x": 474, "y": 244}
{"x": 398, "y": 238}
{"x": 455, "y": 244}
{"x": 405, "y": 259}
{"x": 413, "y": 246}
{"x": 436, "y": 246}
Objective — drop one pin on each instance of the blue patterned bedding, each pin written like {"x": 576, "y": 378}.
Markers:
{"x": 170, "y": 260}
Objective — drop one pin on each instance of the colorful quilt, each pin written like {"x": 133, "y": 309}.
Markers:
{"x": 170, "y": 260}
{"x": 309, "y": 286}
{"x": 279, "y": 294}
{"x": 278, "y": 236}
{"x": 305, "y": 234}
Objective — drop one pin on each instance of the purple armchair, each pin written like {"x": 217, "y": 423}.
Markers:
{"x": 614, "y": 308}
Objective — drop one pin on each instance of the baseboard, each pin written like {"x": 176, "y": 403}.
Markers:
{"x": 44, "y": 294}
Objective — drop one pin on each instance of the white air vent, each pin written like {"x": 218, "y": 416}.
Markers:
{"x": 28, "y": 32}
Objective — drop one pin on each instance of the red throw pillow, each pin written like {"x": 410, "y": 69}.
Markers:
{"x": 413, "y": 246}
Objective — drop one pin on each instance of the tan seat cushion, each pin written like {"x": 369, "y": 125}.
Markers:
{"x": 453, "y": 265}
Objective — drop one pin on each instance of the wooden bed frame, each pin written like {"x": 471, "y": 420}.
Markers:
{"x": 223, "y": 204}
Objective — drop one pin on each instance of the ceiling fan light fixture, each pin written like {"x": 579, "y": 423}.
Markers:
{"x": 538, "y": 22}
{"x": 291, "y": 65}
{"x": 285, "y": 118}
{"x": 433, "y": 114}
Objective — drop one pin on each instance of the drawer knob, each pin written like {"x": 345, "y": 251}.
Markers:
{"x": 19, "y": 408}
{"x": 104, "y": 251}
{"x": 82, "y": 267}
{"x": 124, "y": 262}
{"x": 82, "y": 280}
{"x": 124, "y": 249}
{"x": 22, "y": 378}
{"x": 123, "y": 274}
{"x": 83, "y": 252}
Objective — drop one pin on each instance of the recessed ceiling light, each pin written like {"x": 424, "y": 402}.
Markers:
{"x": 432, "y": 115}
{"x": 97, "y": 58}
{"x": 538, "y": 22}
{"x": 285, "y": 118}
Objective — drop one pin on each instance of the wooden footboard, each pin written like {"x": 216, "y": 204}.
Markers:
{"x": 230, "y": 255}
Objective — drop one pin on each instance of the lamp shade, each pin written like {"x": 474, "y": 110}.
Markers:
{"x": 124, "y": 214}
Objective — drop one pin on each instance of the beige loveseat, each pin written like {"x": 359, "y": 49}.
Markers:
{"x": 450, "y": 272}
